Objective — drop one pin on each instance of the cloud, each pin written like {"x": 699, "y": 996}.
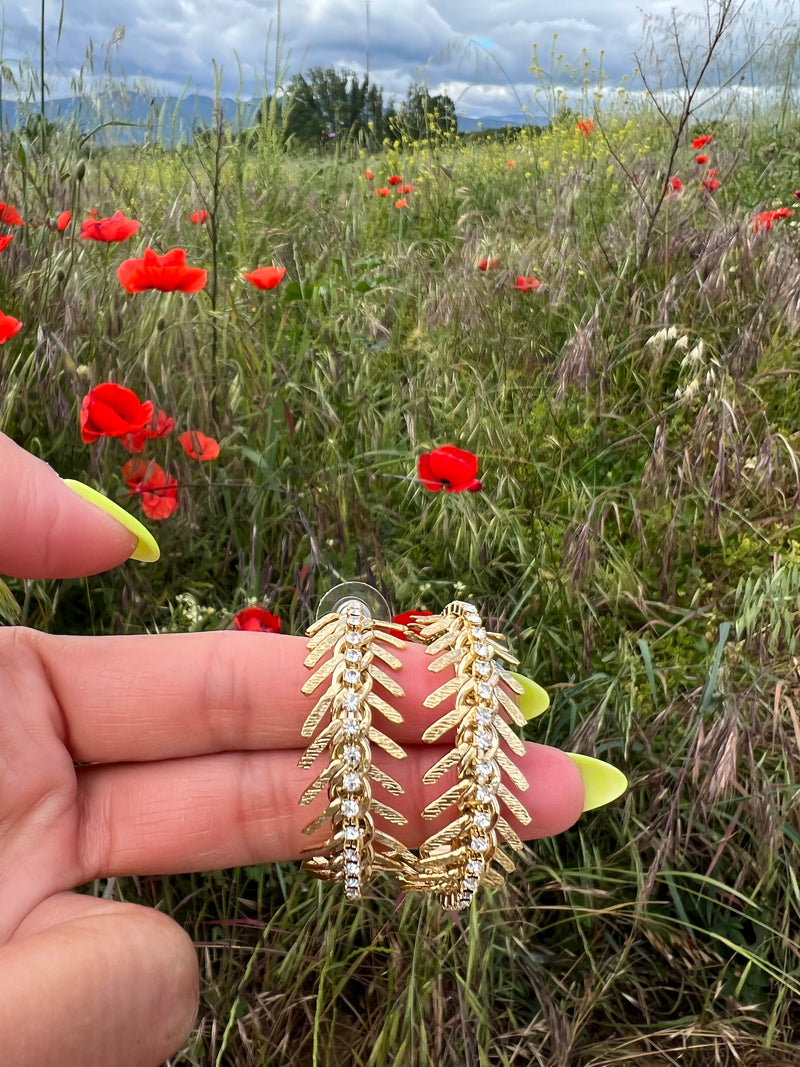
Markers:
{"x": 483, "y": 48}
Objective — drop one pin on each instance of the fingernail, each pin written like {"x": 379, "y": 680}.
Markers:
{"x": 533, "y": 700}
{"x": 602, "y": 783}
{"x": 147, "y": 550}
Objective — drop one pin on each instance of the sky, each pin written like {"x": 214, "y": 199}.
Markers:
{"x": 478, "y": 51}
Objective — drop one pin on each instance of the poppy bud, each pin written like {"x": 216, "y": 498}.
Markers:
{"x": 80, "y": 171}
{"x": 161, "y": 325}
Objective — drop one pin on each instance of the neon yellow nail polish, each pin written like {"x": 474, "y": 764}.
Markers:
{"x": 602, "y": 782}
{"x": 147, "y": 550}
{"x": 533, "y": 700}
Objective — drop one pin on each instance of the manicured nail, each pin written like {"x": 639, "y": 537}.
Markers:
{"x": 602, "y": 783}
{"x": 147, "y": 550}
{"x": 533, "y": 700}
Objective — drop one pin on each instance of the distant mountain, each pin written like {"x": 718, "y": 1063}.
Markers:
{"x": 497, "y": 122}
{"x": 135, "y": 118}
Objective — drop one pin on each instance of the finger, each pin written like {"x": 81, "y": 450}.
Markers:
{"x": 47, "y": 530}
{"x": 239, "y": 808}
{"x": 176, "y": 695}
{"x": 89, "y": 982}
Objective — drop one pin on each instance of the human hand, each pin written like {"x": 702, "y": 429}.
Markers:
{"x": 150, "y": 755}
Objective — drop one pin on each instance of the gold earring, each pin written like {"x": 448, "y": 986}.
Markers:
{"x": 457, "y": 859}
{"x": 356, "y": 846}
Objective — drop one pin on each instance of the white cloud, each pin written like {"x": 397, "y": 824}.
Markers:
{"x": 173, "y": 42}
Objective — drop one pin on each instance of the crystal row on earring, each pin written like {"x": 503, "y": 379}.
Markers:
{"x": 356, "y": 846}
{"x": 460, "y": 857}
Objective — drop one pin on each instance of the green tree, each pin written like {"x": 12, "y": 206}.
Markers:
{"x": 327, "y": 105}
{"x": 425, "y": 116}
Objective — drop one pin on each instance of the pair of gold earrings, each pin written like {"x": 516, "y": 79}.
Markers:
{"x": 466, "y": 853}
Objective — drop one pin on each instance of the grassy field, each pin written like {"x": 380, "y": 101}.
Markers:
{"x": 637, "y": 422}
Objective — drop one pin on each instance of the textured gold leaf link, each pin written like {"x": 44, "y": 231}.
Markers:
{"x": 317, "y": 627}
{"x": 514, "y": 743}
{"x": 511, "y": 836}
{"x": 442, "y": 693}
{"x": 510, "y": 706}
{"x": 511, "y": 682}
{"x": 319, "y": 675}
{"x": 316, "y": 786}
{"x": 389, "y": 638}
{"x": 320, "y": 821}
{"x": 319, "y": 648}
{"x": 386, "y": 780}
{"x": 443, "y": 642}
{"x": 386, "y": 709}
{"x": 442, "y": 766}
{"x": 505, "y": 861}
{"x": 386, "y": 743}
{"x": 447, "y": 722}
{"x": 511, "y": 769}
{"x": 514, "y": 805}
{"x": 388, "y": 683}
{"x": 446, "y": 660}
{"x": 317, "y": 747}
{"x": 315, "y": 715}
{"x": 386, "y": 657}
{"x": 387, "y": 813}
{"x": 451, "y": 796}
{"x": 436, "y": 626}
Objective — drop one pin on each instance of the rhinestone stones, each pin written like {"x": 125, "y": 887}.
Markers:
{"x": 342, "y": 651}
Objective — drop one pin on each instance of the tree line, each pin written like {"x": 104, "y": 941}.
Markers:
{"x": 325, "y": 106}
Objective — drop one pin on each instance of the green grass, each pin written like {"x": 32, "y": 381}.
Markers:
{"x": 637, "y": 537}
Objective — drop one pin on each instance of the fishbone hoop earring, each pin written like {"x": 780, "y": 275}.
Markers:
{"x": 465, "y": 854}
{"x": 355, "y": 641}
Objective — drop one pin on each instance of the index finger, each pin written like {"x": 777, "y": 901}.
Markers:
{"x": 151, "y": 697}
{"x": 46, "y": 529}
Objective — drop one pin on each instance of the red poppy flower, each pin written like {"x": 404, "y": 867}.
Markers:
{"x": 488, "y": 264}
{"x": 511, "y": 163}
{"x": 265, "y": 277}
{"x": 394, "y": 179}
{"x": 383, "y": 191}
{"x": 796, "y": 194}
{"x": 257, "y": 620}
{"x": 63, "y": 220}
{"x": 157, "y": 489}
{"x": 408, "y": 618}
{"x": 116, "y": 228}
{"x": 402, "y": 202}
{"x": 199, "y": 217}
{"x": 701, "y": 142}
{"x": 8, "y": 327}
{"x": 111, "y": 410}
{"x": 765, "y": 219}
{"x": 369, "y": 175}
{"x": 449, "y": 468}
{"x": 167, "y": 273}
{"x": 526, "y": 283}
{"x": 198, "y": 446}
{"x": 712, "y": 172}
{"x": 701, "y": 159}
{"x": 159, "y": 426}
{"x": 586, "y": 126}
{"x": 9, "y": 215}
{"x": 6, "y": 240}
{"x": 407, "y": 189}
{"x": 675, "y": 184}
{"x": 710, "y": 184}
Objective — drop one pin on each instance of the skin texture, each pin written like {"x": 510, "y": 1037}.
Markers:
{"x": 151, "y": 755}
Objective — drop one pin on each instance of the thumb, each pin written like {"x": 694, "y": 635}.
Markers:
{"x": 50, "y": 529}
